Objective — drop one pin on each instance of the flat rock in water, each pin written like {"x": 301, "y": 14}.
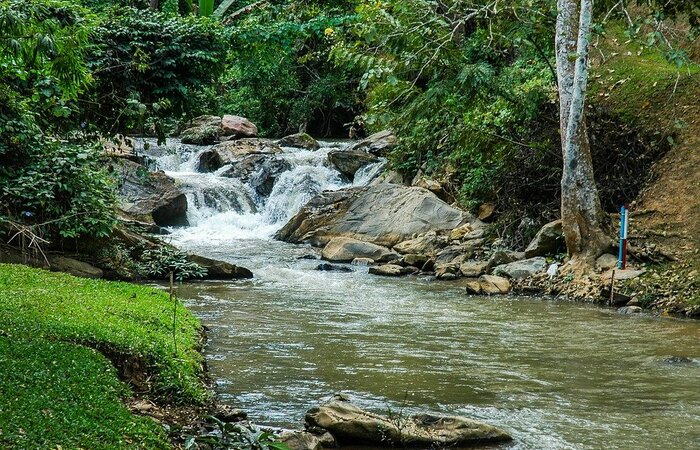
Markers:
{"x": 342, "y": 249}
{"x": 390, "y": 270}
{"x": 220, "y": 270}
{"x": 385, "y": 215}
{"x": 351, "y": 425}
{"x": 325, "y": 267}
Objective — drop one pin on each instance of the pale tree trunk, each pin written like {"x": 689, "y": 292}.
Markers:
{"x": 583, "y": 219}
{"x": 153, "y": 4}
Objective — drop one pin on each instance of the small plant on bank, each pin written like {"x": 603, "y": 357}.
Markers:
{"x": 160, "y": 261}
{"x": 234, "y": 436}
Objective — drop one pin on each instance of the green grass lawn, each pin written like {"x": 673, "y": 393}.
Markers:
{"x": 55, "y": 389}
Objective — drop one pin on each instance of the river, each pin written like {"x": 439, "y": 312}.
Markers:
{"x": 556, "y": 375}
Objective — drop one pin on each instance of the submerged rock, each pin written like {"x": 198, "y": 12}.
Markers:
{"x": 299, "y": 140}
{"x": 325, "y": 267}
{"x": 351, "y": 425}
{"x": 259, "y": 171}
{"x": 630, "y": 310}
{"x": 342, "y": 249}
{"x": 385, "y": 215}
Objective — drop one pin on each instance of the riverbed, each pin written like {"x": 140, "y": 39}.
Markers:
{"x": 556, "y": 375}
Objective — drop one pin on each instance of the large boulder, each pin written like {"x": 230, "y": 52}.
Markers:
{"x": 385, "y": 215}
{"x": 230, "y": 152}
{"x": 547, "y": 241}
{"x": 74, "y": 267}
{"x": 204, "y": 121}
{"x": 238, "y": 127}
{"x": 342, "y": 249}
{"x": 220, "y": 270}
{"x": 348, "y": 162}
{"x": 377, "y": 144}
{"x": 351, "y": 425}
{"x": 299, "y": 140}
{"x": 200, "y": 135}
{"x": 259, "y": 170}
{"x": 522, "y": 269}
{"x": 149, "y": 197}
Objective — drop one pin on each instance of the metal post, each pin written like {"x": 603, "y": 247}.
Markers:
{"x": 624, "y": 224}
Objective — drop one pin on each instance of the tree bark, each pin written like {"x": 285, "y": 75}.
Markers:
{"x": 583, "y": 220}
{"x": 153, "y": 4}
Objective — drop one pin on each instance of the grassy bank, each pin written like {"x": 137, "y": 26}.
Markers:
{"x": 57, "y": 385}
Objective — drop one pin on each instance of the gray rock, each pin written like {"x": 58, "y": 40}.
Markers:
{"x": 201, "y": 135}
{"x": 220, "y": 270}
{"x": 204, "y": 121}
{"x": 378, "y": 143}
{"x": 390, "y": 270}
{"x": 149, "y": 197}
{"x": 522, "y": 269}
{"x": 362, "y": 262}
{"x": 446, "y": 271}
{"x": 231, "y": 152}
{"x": 425, "y": 243}
{"x": 500, "y": 257}
{"x": 348, "y": 162}
{"x": 238, "y": 127}
{"x": 259, "y": 170}
{"x": 351, "y": 425}
{"x": 414, "y": 259}
{"x": 385, "y": 215}
{"x": 341, "y": 249}
{"x": 449, "y": 254}
{"x": 299, "y": 140}
{"x": 325, "y": 267}
{"x": 549, "y": 240}
{"x": 606, "y": 261}
{"x": 630, "y": 310}
{"x": 74, "y": 267}
{"x": 473, "y": 269}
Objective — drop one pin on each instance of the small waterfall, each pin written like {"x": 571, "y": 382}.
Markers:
{"x": 221, "y": 208}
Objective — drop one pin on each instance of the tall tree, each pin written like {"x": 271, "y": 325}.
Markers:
{"x": 583, "y": 219}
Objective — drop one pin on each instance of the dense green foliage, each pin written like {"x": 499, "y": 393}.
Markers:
{"x": 68, "y": 396}
{"x": 42, "y": 72}
{"x": 119, "y": 319}
{"x": 463, "y": 89}
{"x": 151, "y": 67}
{"x": 279, "y": 75}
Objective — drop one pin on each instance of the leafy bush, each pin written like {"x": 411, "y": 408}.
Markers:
{"x": 160, "y": 261}
{"x": 152, "y": 66}
{"x": 462, "y": 88}
{"x": 43, "y": 180}
{"x": 279, "y": 75}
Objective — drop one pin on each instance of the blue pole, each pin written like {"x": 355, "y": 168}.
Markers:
{"x": 623, "y": 215}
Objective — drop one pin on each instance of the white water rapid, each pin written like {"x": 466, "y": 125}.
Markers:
{"x": 222, "y": 209}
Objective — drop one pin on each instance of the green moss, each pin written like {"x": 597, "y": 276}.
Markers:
{"x": 57, "y": 394}
{"x": 117, "y": 318}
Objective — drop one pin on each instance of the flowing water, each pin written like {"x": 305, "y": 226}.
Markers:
{"x": 556, "y": 375}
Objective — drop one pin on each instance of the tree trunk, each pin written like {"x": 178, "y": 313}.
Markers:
{"x": 583, "y": 219}
{"x": 153, "y": 4}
